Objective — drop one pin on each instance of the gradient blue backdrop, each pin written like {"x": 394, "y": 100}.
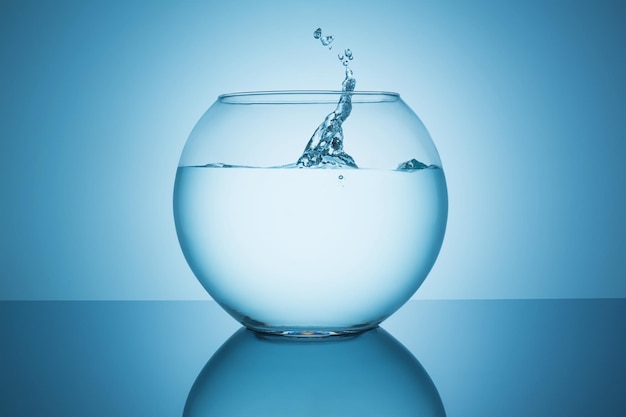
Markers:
{"x": 526, "y": 103}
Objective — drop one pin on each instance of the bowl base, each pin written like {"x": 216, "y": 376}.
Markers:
{"x": 309, "y": 332}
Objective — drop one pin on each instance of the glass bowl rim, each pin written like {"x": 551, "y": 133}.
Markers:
{"x": 305, "y": 97}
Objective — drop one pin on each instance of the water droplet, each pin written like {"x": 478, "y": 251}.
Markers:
{"x": 345, "y": 62}
{"x": 318, "y": 33}
{"x": 341, "y": 177}
{"x": 340, "y": 56}
{"x": 348, "y": 53}
{"x": 327, "y": 40}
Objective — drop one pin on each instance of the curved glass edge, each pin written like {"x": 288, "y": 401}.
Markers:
{"x": 309, "y": 331}
{"x": 301, "y": 331}
{"x": 305, "y": 97}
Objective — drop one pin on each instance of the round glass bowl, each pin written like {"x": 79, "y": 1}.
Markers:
{"x": 318, "y": 250}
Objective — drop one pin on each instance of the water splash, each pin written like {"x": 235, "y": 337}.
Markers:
{"x": 414, "y": 165}
{"x": 325, "y": 148}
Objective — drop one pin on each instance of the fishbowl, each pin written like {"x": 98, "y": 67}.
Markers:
{"x": 310, "y": 213}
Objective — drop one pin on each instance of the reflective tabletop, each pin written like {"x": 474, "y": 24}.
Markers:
{"x": 175, "y": 358}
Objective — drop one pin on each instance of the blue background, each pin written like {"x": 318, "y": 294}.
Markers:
{"x": 524, "y": 100}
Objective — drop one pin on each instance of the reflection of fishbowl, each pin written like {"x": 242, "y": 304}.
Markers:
{"x": 325, "y": 248}
{"x": 370, "y": 374}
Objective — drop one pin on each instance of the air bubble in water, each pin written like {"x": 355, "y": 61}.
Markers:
{"x": 341, "y": 177}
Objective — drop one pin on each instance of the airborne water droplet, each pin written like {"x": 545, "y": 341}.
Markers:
{"x": 327, "y": 40}
{"x": 348, "y": 53}
{"x": 341, "y": 177}
{"x": 340, "y": 56}
{"x": 318, "y": 33}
